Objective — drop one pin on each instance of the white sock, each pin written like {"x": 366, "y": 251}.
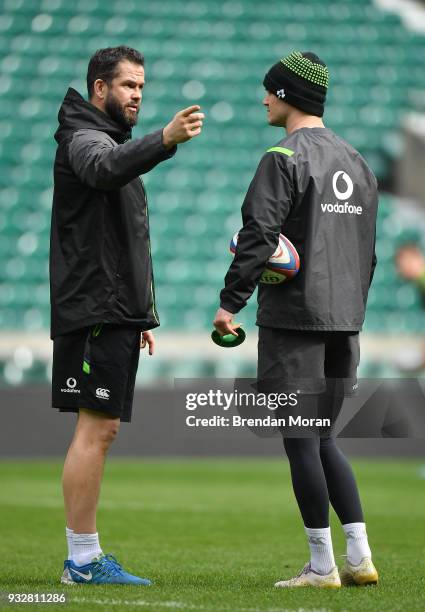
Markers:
{"x": 69, "y": 534}
{"x": 322, "y": 556}
{"x": 357, "y": 544}
{"x": 85, "y": 546}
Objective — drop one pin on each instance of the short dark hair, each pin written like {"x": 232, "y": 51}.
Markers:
{"x": 103, "y": 64}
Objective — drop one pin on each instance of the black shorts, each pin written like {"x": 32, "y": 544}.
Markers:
{"x": 309, "y": 362}
{"x": 95, "y": 368}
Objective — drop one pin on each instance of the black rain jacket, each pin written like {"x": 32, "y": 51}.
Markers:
{"x": 100, "y": 261}
{"x": 317, "y": 190}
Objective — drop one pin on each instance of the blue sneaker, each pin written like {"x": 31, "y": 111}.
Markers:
{"x": 66, "y": 578}
{"x": 104, "y": 569}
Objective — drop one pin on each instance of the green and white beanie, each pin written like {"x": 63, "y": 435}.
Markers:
{"x": 301, "y": 79}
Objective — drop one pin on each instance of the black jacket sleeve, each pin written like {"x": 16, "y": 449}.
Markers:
{"x": 266, "y": 206}
{"x": 374, "y": 258}
{"x": 373, "y": 266}
{"x": 100, "y": 163}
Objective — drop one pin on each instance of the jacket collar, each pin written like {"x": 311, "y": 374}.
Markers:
{"x": 76, "y": 113}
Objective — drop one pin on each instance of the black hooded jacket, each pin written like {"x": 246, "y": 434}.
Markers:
{"x": 317, "y": 190}
{"x": 100, "y": 261}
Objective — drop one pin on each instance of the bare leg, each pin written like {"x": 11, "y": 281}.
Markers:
{"x": 83, "y": 469}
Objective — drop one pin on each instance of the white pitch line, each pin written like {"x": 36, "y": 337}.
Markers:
{"x": 176, "y": 605}
{"x": 180, "y": 605}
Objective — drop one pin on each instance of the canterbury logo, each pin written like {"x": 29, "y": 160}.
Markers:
{"x": 317, "y": 541}
{"x": 280, "y": 94}
{"x": 84, "y": 576}
{"x": 102, "y": 393}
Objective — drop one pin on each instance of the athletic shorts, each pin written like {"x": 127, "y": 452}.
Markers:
{"x": 95, "y": 367}
{"x": 310, "y": 362}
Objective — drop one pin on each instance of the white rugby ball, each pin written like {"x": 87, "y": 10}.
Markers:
{"x": 282, "y": 265}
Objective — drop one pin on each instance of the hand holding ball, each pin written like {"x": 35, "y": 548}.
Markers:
{"x": 282, "y": 265}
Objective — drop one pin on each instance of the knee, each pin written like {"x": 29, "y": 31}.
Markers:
{"x": 327, "y": 445}
{"x": 95, "y": 430}
{"x": 108, "y": 432}
{"x": 326, "y": 441}
{"x": 300, "y": 449}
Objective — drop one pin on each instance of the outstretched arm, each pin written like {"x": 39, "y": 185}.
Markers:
{"x": 102, "y": 164}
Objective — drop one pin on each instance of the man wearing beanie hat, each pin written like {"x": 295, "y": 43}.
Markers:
{"x": 319, "y": 192}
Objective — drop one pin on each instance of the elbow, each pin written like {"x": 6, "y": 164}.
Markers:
{"x": 105, "y": 176}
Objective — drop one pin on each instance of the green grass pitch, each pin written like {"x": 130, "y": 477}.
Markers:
{"x": 213, "y": 534}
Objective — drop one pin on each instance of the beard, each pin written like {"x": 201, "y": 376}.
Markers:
{"x": 119, "y": 113}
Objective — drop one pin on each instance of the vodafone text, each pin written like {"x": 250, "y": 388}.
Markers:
{"x": 342, "y": 208}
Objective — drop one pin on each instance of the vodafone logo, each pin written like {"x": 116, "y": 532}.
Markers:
{"x": 342, "y": 195}
{"x": 340, "y": 180}
{"x": 71, "y": 383}
{"x": 342, "y": 209}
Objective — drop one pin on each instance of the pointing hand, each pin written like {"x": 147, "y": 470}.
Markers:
{"x": 185, "y": 125}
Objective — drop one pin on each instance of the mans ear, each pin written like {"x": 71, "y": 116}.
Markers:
{"x": 100, "y": 88}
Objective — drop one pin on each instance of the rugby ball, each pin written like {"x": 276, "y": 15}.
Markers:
{"x": 282, "y": 265}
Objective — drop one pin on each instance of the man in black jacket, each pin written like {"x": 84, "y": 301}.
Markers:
{"x": 101, "y": 281}
{"x": 318, "y": 191}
